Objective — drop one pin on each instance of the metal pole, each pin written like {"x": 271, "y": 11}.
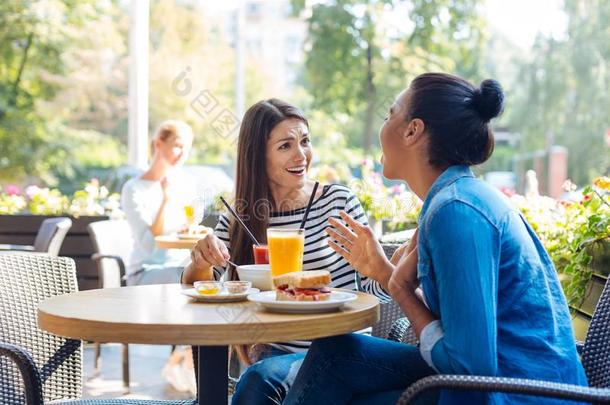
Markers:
{"x": 137, "y": 145}
{"x": 240, "y": 92}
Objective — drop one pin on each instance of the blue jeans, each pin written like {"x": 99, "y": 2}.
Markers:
{"x": 358, "y": 369}
{"x": 352, "y": 368}
{"x": 268, "y": 380}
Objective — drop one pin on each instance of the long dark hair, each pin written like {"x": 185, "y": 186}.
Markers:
{"x": 456, "y": 116}
{"x": 253, "y": 199}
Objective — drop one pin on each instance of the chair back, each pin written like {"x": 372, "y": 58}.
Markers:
{"x": 25, "y": 281}
{"x": 111, "y": 238}
{"x": 51, "y": 235}
{"x": 596, "y": 351}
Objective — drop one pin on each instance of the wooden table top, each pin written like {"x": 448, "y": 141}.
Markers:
{"x": 160, "y": 314}
{"x": 173, "y": 242}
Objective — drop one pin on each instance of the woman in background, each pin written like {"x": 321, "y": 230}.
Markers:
{"x": 154, "y": 204}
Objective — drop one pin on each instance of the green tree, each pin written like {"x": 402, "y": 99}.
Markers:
{"x": 192, "y": 63}
{"x": 33, "y": 36}
{"x": 562, "y": 93}
{"x": 359, "y": 54}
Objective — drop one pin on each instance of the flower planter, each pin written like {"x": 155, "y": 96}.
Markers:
{"x": 600, "y": 264}
{"x": 22, "y": 229}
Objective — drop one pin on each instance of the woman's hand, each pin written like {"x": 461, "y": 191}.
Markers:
{"x": 209, "y": 251}
{"x": 157, "y": 226}
{"x": 164, "y": 188}
{"x": 360, "y": 248}
{"x": 405, "y": 248}
{"x": 404, "y": 278}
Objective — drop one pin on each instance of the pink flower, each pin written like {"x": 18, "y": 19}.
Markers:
{"x": 32, "y": 190}
{"x": 507, "y": 191}
{"x": 396, "y": 189}
{"x": 12, "y": 189}
{"x": 368, "y": 163}
{"x": 588, "y": 197}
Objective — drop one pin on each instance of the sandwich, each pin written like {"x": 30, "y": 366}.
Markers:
{"x": 303, "y": 286}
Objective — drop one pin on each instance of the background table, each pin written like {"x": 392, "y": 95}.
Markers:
{"x": 173, "y": 242}
{"x": 159, "y": 314}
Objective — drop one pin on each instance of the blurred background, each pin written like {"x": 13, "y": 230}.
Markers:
{"x": 84, "y": 84}
{"x": 65, "y": 80}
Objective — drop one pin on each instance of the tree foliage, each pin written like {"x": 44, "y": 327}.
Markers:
{"x": 562, "y": 93}
{"x": 34, "y": 38}
{"x": 360, "y": 54}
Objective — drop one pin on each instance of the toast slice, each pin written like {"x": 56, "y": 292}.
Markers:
{"x": 303, "y": 279}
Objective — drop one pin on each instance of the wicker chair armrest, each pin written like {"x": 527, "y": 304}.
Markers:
{"x": 29, "y": 372}
{"x": 401, "y": 331}
{"x": 23, "y": 248}
{"x": 506, "y": 385}
{"x": 128, "y": 401}
{"x": 579, "y": 347}
{"x": 97, "y": 257}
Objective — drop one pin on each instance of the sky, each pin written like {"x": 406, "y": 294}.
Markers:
{"x": 521, "y": 20}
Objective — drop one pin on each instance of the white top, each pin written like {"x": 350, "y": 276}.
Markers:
{"x": 318, "y": 255}
{"x": 140, "y": 200}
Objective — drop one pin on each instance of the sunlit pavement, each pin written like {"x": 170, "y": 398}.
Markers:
{"x": 145, "y": 364}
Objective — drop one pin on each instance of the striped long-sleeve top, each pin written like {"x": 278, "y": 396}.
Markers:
{"x": 318, "y": 255}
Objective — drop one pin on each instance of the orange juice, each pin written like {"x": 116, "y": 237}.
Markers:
{"x": 286, "y": 248}
{"x": 189, "y": 213}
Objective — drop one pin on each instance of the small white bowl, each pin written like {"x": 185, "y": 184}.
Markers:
{"x": 237, "y": 287}
{"x": 258, "y": 274}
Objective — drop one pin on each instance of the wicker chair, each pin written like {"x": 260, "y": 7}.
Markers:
{"x": 48, "y": 240}
{"x": 595, "y": 355}
{"x": 113, "y": 243}
{"x": 35, "y": 366}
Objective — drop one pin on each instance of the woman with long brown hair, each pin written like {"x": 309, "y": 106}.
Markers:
{"x": 274, "y": 154}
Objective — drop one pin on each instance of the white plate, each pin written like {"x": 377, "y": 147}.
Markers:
{"x": 267, "y": 300}
{"x": 191, "y": 236}
{"x": 224, "y": 296}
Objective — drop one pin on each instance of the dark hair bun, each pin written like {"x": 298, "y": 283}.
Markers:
{"x": 488, "y": 99}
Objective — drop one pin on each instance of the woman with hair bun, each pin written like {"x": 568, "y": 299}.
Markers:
{"x": 476, "y": 284}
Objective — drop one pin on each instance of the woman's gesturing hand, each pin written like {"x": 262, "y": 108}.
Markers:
{"x": 405, "y": 249}
{"x": 209, "y": 251}
{"x": 404, "y": 278}
{"x": 360, "y": 248}
{"x": 164, "y": 188}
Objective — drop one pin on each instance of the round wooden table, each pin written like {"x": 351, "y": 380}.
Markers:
{"x": 159, "y": 314}
{"x": 174, "y": 242}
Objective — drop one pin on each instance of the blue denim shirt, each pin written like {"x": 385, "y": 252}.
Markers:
{"x": 487, "y": 278}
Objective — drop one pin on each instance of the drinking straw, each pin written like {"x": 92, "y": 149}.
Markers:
{"x": 313, "y": 194}
{"x": 240, "y": 221}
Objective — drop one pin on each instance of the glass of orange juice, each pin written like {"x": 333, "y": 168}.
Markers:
{"x": 286, "y": 248}
{"x": 189, "y": 213}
